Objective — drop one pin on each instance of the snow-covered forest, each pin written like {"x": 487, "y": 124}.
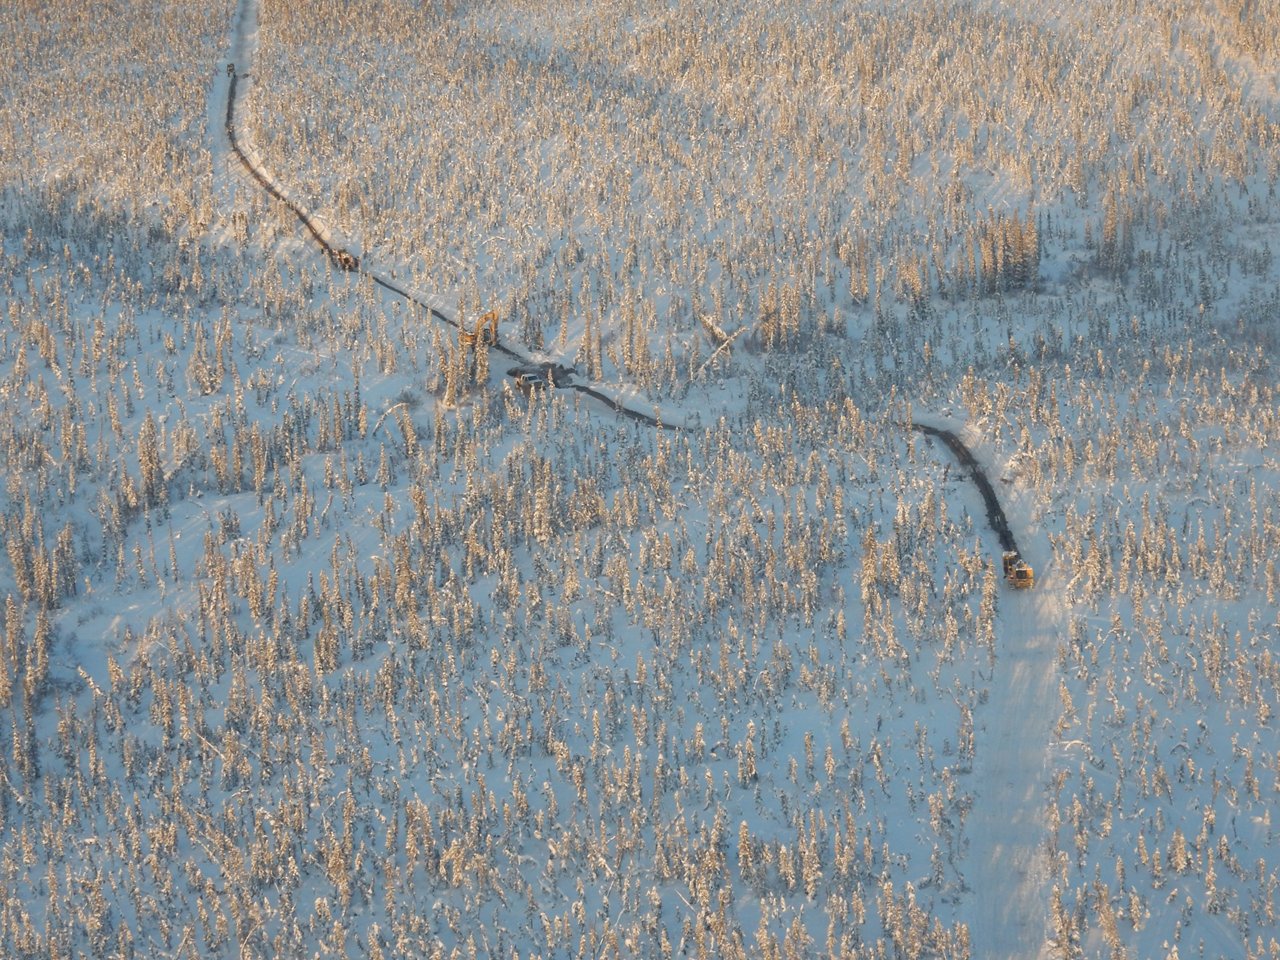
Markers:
{"x": 323, "y": 638}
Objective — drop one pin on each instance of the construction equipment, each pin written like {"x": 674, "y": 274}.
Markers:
{"x": 489, "y": 322}
{"x": 1017, "y": 572}
{"x": 343, "y": 259}
{"x": 537, "y": 376}
{"x": 530, "y": 380}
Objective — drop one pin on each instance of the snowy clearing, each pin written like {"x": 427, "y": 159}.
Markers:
{"x": 325, "y": 637}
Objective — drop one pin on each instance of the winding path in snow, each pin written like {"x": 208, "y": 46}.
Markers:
{"x": 244, "y": 48}
{"x": 1008, "y": 863}
{"x": 995, "y": 513}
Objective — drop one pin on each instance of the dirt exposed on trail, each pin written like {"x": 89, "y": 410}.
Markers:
{"x": 344, "y": 259}
{"x": 995, "y": 513}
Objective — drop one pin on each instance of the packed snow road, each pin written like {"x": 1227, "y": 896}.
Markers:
{"x": 1008, "y": 865}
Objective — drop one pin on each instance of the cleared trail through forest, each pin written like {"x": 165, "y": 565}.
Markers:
{"x": 242, "y": 53}
{"x": 995, "y": 513}
{"x": 1008, "y": 864}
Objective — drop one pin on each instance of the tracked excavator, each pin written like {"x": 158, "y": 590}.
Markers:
{"x": 486, "y": 330}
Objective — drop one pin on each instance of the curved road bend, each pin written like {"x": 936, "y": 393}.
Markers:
{"x": 995, "y": 513}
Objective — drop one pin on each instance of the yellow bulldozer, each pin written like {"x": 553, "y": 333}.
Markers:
{"x": 1017, "y": 572}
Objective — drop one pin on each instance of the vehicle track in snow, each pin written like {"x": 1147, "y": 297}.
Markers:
{"x": 995, "y": 513}
{"x": 1008, "y": 867}
{"x": 344, "y": 259}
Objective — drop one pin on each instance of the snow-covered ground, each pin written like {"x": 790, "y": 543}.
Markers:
{"x": 322, "y": 639}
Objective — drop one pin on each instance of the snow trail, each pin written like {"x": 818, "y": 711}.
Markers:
{"x": 1009, "y": 862}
